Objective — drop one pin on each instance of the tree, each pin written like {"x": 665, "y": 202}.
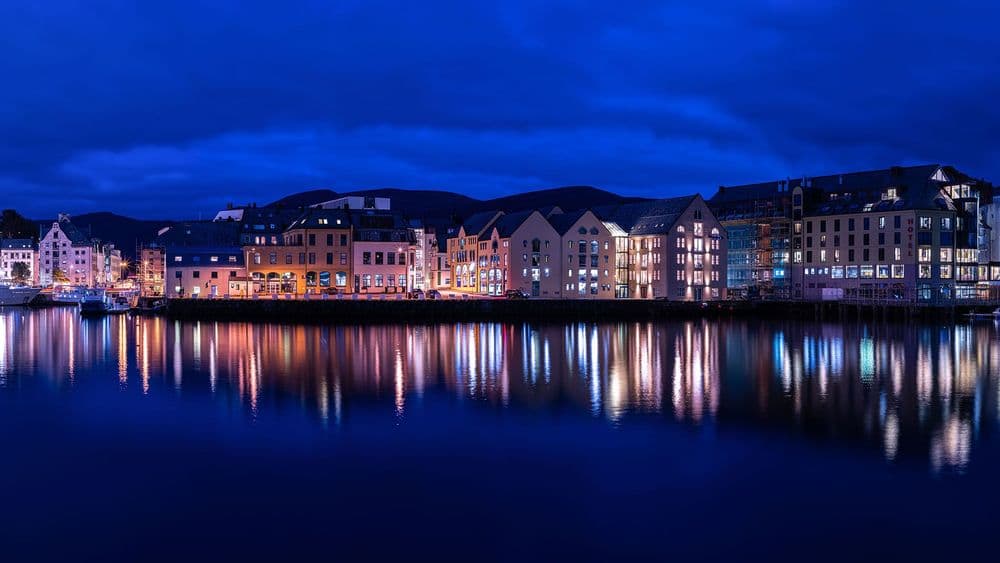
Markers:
{"x": 14, "y": 225}
{"x": 59, "y": 276}
{"x": 20, "y": 272}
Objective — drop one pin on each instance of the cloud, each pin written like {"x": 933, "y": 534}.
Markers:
{"x": 109, "y": 103}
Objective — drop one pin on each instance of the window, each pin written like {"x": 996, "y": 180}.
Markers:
{"x": 946, "y": 255}
{"x": 881, "y": 222}
{"x": 366, "y": 258}
{"x": 196, "y": 274}
{"x": 882, "y": 271}
{"x": 924, "y": 271}
{"x": 945, "y": 271}
{"x": 925, "y": 224}
{"x": 897, "y": 221}
{"x": 379, "y": 258}
{"x": 867, "y": 271}
{"x": 946, "y": 223}
{"x": 898, "y": 271}
{"x": 924, "y": 254}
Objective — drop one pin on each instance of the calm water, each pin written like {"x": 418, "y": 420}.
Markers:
{"x": 142, "y": 438}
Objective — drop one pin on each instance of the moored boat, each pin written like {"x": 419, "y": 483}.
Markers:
{"x": 14, "y": 295}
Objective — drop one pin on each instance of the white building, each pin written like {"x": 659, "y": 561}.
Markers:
{"x": 67, "y": 256}
{"x": 14, "y": 251}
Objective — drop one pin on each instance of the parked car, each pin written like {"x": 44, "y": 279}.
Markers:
{"x": 416, "y": 294}
{"x": 516, "y": 294}
{"x": 433, "y": 294}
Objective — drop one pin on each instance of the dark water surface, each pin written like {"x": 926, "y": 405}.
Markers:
{"x": 145, "y": 439}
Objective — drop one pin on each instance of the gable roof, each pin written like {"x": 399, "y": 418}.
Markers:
{"x": 509, "y": 222}
{"x": 478, "y": 223}
{"x": 74, "y": 234}
{"x": 646, "y": 218}
{"x": 563, "y": 222}
{"x": 17, "y": 244}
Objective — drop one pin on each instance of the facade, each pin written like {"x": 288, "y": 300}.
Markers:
{"x": 676, "y": 249}
{"x": 18, "y": 251}
{"x": 917, "y": 233}
{"x": 589, "y": 252}
{"x": 463, "y": 249}
{"x": 152, "y": 270}
{"x": 314, "y": 257}
{"x": 383, "y": 249}
{"x": 758, "y": 223}
{"x": 528, "y": 256}
{"x": 67, "y": 256}
{"x": 205, "y": 272}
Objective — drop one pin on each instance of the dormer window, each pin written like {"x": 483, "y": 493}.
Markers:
{"x": 890, "y": 193}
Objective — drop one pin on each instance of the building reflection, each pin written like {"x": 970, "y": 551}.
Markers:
{"x": 912, "y": 392}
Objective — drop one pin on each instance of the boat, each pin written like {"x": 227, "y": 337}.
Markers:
{"x": 97, "y": 302}
{"x": 68, "y": 295}
{"x": 17, "y": 295}
{"x": 987, "y": 316}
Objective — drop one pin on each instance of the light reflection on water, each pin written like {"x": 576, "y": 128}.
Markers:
{"x": 918, "y": 392}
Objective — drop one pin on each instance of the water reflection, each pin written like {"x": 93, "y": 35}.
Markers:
{"x": 928, "y": 392}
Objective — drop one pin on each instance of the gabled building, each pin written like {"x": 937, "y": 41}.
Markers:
{"x": 589, "y": 253}
{"x": 67, "y": 256}
{"x": 463, "y": 248}
{"x": 677, "y": 249}
{"x": 523, "y": 253}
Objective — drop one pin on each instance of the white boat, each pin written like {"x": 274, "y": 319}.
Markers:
{"x": 994, "y": 315}
{"x": 16, "y": 295}
{"x": 99, "y": 302}
{"x": 68, "y": 295}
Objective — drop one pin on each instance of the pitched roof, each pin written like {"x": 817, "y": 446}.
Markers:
{"x": 17, "y": 244}
{"x": 478, "y": 223}
{"x": 918, "y": 187}
{"x": 74, "y": 234}
{"x": 509, "y": 222}
{"x": 563, "y": 222}
{"x": 318, "y": 218}
{"x": 646, "y": 218}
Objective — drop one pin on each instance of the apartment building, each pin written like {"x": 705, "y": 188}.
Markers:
{"x": 589, "y": 255}
{"x": 463, "y": 249}
{"x": 313, "y": 255}
{"x": 206, "y": 272}
{"x": 18, "y": 261}
{"x": 901, "y": 233}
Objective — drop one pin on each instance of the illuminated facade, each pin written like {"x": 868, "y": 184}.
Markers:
{"x": 917, "y": 233}
{"x": 14, "y": 251}
{"x": 205, "y": 273}
{"x": 588, "y": 256}
{"x": 67, "y": 256}
{"x": 676, "y": 249}
{"x": 463, "y": 248}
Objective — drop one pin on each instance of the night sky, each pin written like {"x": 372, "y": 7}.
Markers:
{"x": 174, "y": 109}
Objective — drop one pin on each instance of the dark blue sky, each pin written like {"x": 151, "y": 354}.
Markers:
{"x": 166, "y": 109}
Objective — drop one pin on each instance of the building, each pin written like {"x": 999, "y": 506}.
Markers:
{"x": 314, "y": 256}
{"x": 758, "y": 223}
{"x": 357, "y": 203}
{"x": 18, "y": 261}
{"x": 151, "y": 270}
{"x": 521, "y": 252}
{"x": 589, "y": 255}
{"x": 676, "y": 249}
{"x": 67, "y": 256}
{"x": 463, "y": 248}
{"x": 206, "y": 272}
{"x": 916, "y": 233}
{"x": 383, "y": 247}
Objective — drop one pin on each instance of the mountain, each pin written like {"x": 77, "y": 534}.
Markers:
{"x": 435, "y": 205}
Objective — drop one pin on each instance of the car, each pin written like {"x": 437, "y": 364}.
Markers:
{"x": 433, "y": 294}
{"x": 416, "y": 294}
{"x": 516, "y": 294}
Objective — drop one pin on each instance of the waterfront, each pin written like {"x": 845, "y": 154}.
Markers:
{"x": 497, "y": 441}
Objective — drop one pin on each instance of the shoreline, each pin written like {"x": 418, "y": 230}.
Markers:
{"x": 375, "y": 311}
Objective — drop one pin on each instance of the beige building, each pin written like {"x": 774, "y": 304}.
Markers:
{"x": 589, "y": 252}
{"x": 523, "y": 253}
{"x": 463, "y": 249}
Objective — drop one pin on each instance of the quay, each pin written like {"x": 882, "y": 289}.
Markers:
{"x": 373, "y": 311}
